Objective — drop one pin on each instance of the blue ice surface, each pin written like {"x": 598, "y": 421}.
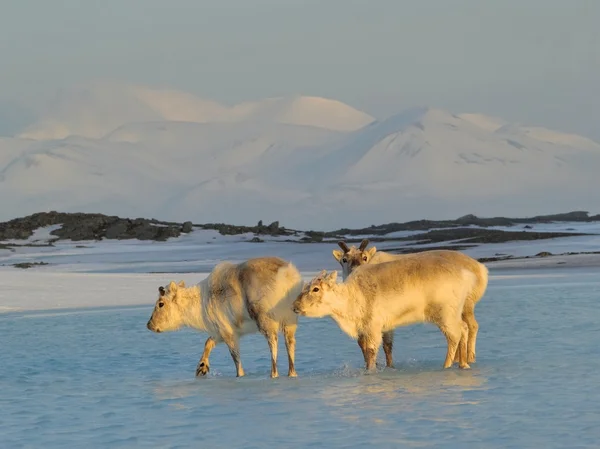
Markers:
{"x": 98, "y": 378}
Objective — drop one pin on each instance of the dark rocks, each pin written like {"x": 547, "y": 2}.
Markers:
{"x": 97, "y": 228}
{"x": 478, "y": 235}
{"x": 257, "y": 240}
{"x": 313, "y": 237}
{"x": 260, "y": 229}
{"x": 15, "y": 233}
{"x": 544, "y": 254}
{"x": 466, "y": 220}
{"x": 115, "y": 230}
{"x": 24, "y": 265}
{"x": 80, "y": 226}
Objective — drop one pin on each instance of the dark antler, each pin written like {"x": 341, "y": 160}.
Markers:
{"x": 363, "y": 244}
{"x": 161, "y": 290}
{"x": 344, "y": 246}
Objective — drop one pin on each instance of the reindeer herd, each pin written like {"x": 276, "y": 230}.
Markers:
{"x": 379, "y": 292}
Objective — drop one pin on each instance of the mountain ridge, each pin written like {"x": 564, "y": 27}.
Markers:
{"x": 423, "y": 161}
{"x": 97, "y": 109}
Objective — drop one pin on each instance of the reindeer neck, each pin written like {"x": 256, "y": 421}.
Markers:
{"x": 192, "y": 307}
{"x": 345, "y": 311}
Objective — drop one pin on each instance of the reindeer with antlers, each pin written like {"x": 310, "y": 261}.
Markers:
{"x": 351, "y": 258}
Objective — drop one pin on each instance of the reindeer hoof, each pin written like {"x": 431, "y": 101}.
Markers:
{"x": 471, "y": 358}
{"x": 202, "y": 369}
{"x": 465, "y": 366}
{"x": 292, "y": 374}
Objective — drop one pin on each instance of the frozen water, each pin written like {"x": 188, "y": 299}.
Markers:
{"x": 98, "y": 378}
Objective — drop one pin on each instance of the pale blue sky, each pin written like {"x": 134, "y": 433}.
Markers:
{"x": 535, "y": 61}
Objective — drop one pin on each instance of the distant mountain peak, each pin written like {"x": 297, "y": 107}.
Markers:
{"x": 94, "y": 110}
{"x": 312, "y": 161}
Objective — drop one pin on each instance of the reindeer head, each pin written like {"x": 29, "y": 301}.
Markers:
{"x": 167, "y": 315}
{"x": 353, "y": 257}
{"x": 314, "y": 300}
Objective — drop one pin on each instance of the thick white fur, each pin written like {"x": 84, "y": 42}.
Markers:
{"x": 376, "y": 299}
{"x": 351, "y": 258}
{"x": 235, "y": 300}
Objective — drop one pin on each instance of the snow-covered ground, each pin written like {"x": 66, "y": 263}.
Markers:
{"x": 128, "y": 272}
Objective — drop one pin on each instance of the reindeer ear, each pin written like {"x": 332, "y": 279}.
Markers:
{"x": 372, "y": 251}
{"x": 331, "y": 278}
{"x": 181, "y": 284}
{"x": 172, "y": 287}
{"x": 337, "y": 254}
{"x": 321, "y": 274}
{"x": 363, "y": 244}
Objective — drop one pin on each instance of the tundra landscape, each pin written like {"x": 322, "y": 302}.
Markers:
{"x": 79, "y": 289}
{"x": 299, "y": 224}
{"x": 91, "y": 295}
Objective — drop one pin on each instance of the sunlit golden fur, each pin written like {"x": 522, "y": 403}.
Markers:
{"x": 235, "y": 300}
{"x": 377, "y": 298}
{"x": 351, "y": 258}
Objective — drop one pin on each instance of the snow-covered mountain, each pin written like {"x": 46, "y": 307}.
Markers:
{"x": 308, "y": 162}
{"x": 98, "y": 109}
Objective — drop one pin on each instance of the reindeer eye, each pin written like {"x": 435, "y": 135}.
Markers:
{"x": 316, "y": 289}
{"x": 161, "y": 304}
{"x": 365, "y": 258}
{"x": 344, "y": 260}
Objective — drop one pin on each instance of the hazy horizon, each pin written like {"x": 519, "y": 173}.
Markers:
{"x": 533, "y": 61}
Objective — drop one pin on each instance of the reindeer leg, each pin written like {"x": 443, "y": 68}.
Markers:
{"x": 372, "y": 344}
{"x": 203, "y": 365}
{"x": 269, "y": 329}
{"x": 289, "y": 332}
{"x": 462, "y": 346}
{"x": 452, "y": 331}
{"x": 388, "y": 343}
{"x": 469, "y": 318}
{"x": 362, "y": 345}
{"x": 233, "y": 343}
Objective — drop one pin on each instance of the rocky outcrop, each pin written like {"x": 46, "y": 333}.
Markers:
{"x": 466, "y": 220}
{"x": 260, "y": 229}
{"x": 79, "y": 226}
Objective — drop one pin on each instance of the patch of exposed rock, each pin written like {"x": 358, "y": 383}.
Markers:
{"x": 466, "y": 220}
{"x": 80, "y": 226}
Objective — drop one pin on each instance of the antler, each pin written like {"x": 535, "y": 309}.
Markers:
{"x": 363, "y": 244}
{"x": 344, "y": 246}
{"x": 161, "y": 290}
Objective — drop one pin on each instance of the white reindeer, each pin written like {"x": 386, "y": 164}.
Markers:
{"x": 378, "y": 298}
{"x": 235, "y": 300}
{"x": 351, "y": 258}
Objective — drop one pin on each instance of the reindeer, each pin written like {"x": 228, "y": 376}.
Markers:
{"x": 235, "y": 300}
{"x": 376, "y": 299}
{"x": 351, "y": 258}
